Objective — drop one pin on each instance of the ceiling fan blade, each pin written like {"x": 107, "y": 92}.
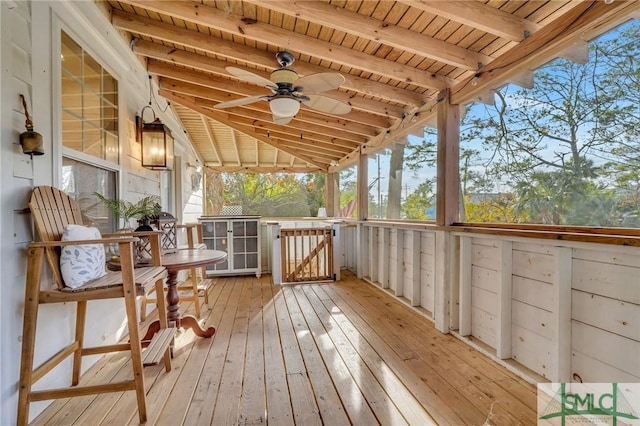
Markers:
{"x": 327, "y": 104}
{"x": 322, "y": 82}
{"x": 250, "y": 77}
{"x": 282, "y": 120}
{"x": 239, "y": 102}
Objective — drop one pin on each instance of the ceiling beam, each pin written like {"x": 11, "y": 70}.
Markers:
{"x": 377, "y": 31}
{"x": 264, "y": 169}
{"x": 329, "y": 148}
{"x": 211, "y": 137}
{"x": 244, "y": 129}
{"x": 480, "y": 16}
{"x": 234, "y": 141}
{"x": 195, "y": 40}
{"x": 249, "y": 120}
{"x": 211, "y": 17}
{"x": 217, "y": 66}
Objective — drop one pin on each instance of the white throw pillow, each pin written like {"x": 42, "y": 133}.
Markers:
{"x": 84, "y": 262}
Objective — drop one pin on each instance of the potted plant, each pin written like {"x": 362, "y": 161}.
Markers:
{"x": 144, "y": 208}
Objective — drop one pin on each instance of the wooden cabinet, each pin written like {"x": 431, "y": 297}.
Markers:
{"x": 239, "y": 236}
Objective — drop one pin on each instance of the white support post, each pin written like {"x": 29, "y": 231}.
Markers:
{"x": 503, "y": 344}
{"x": 399, "y": 278}
{"x": 466, "y": 246}
{"x": 336, "y": 251}
{"x": 416, "y": 281}
{"x": 276, "y": 254}
{"x": 386, "y": 255}
{"x": 561, "y": 354}
{"x": 373, "y": 254}
{"x": 363, "y": 249}
{"x": 442, "y": 284}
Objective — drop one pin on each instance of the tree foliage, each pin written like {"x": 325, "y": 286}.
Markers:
{"x": 276, "y": 194}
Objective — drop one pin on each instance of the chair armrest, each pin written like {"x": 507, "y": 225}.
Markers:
{"x": 133, "y": 234}
{"x": 81, "y": 242}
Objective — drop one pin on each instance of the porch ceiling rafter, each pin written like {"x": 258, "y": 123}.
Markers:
{"x": 303, "y": 120}
{"x": 200, "y": 14}
{"x": 220, "y": 84}
{"x": 159, "y": 52}
{"x": 481, "y": 16}
{"x": 377, "y": 31}
{"x": 220, "y": 117}
{"x": 362, "y": 86}
{"x": 211, "y": 137}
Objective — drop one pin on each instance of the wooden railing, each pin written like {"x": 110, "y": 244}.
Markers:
{"x": 305, "y": 254}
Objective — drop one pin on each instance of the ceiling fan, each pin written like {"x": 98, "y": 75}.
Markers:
{"x": 289, "y": 91}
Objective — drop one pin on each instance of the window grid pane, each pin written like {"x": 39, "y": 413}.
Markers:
{"x": 89, "y": 103}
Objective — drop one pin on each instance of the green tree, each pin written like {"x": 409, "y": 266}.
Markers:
{"x": 420, "y": 200}
{"x": 276, "y": 194}
{"x": 569, "y": 141}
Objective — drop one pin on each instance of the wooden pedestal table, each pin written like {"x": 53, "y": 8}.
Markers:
{"x": 175, "y": 262}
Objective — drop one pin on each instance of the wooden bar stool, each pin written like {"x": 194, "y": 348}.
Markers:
{"x": 54, "y": 213}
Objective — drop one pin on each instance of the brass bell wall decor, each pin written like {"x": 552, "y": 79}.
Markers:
{"x": 32, "y": 143}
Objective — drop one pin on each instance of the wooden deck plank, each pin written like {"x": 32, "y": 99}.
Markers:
{"x": 226, "y": 408}
{"x": 279, "y": 410}
{"x": 254, "y": 404}
{"x": 174, "y": 410}
{"x": 437, "y": 407}
{"x": 305, "y": 409}
{"x": 331, "y": 410}
{"x": 397, "y": 336}
{"x": 335, "y": 353}
{"x": 359, "y": 390}
{"x": 201, "y": 408}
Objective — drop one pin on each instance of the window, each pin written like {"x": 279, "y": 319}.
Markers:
{"x": 89, "y": 103}
{"x": 89, "y": 124}
{"x": 81, "y": 181}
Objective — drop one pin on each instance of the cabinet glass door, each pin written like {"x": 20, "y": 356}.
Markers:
{"x": 245, "y": 244}
{"x": 216, "y": 237}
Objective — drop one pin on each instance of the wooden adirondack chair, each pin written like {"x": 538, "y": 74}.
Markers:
{"x": 52, "y": 210}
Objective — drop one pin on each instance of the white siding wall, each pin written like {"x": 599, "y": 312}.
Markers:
{"x": 401, "y": 260}
{"x": 28, "y": 35}
{"x": 16, "y": 177}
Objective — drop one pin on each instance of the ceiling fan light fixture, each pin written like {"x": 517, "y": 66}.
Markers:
{"x": 284, "y": 75}
{"x": 284, "y": 107}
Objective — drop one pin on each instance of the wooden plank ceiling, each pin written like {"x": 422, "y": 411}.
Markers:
{"x": 396, "y": 57}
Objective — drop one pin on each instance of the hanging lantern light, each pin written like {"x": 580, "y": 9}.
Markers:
{"x": 156, "y": 143}
{"x": 155, "y": 140}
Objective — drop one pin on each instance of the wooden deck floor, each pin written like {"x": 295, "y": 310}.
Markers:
{"x": 310, "y": 354}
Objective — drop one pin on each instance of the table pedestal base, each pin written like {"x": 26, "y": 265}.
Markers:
{"x": 186, "y": 322}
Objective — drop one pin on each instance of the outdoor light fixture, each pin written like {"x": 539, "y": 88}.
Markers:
{"x": 284, "y": 107}
{"x": 30, "y": 141}
{"x": 155, "y": 140}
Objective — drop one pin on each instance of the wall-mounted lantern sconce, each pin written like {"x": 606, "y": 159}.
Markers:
{"x": 31, "y": 141}
{"x": 156, "y": 142}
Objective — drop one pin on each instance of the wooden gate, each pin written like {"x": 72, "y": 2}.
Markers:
{"x": 307, "y": 254}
